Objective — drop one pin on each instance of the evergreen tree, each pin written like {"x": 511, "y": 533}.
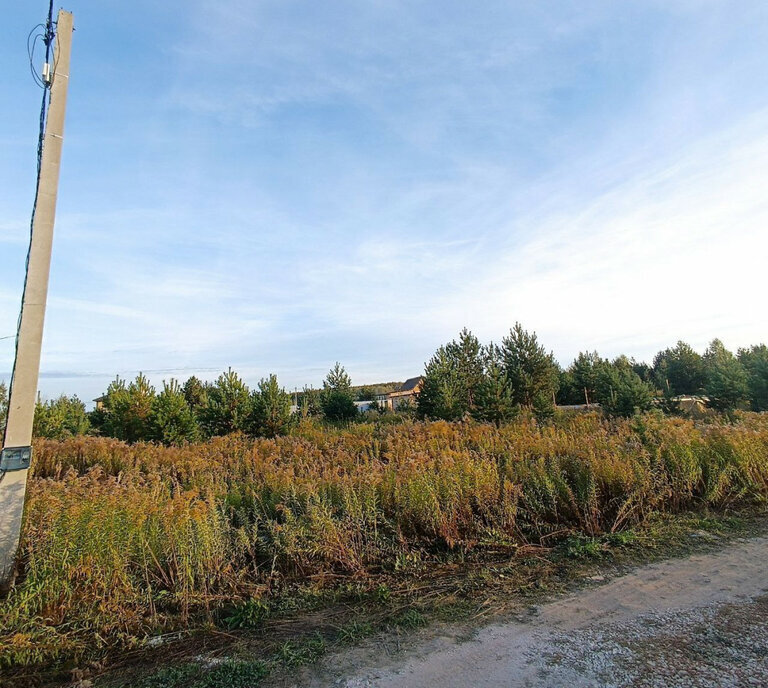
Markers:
{"x": 679, "y": 370}
{"x": 337, "y": 399}
{"x": 173, "y": 422}
{"x": 60, "y": 418}
{"x": 585, "y": 371}
{"x": 127, "y": 409}
{"x": 727, "y": 385}
{"x": 467, "y": 354}
{"x": 452, "y": 379}
{"x": 621, "y": 391}
{"x": 195, "y": 393}
{"x": 532, "y": 373}
{"x": 271, "y": 409}
{"x": 567, "y": 391}
{"x": 365, "y": 393}
{"x": 755, "y": 362}
{"x": 494, "y": 399}
{"x": 309, "y": 403}
{"x": 642, "y": 370}
{"x": 441, "y": 390}
{"x": 227, "y": 406}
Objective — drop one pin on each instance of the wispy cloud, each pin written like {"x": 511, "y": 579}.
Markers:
{"x": 279, "y": 185}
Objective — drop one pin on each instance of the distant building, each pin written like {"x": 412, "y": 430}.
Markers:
{"x": 694, "y": 406}
{"x": 405, "y": 395}
{"x": 99, "y": 401}
{"x": 361, "y": 406}
{"x": 578, "y": 407}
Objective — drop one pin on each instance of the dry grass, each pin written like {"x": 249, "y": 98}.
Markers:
{"x": 124, "y": 542}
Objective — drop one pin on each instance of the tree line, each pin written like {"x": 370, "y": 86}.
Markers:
{"x": 179, "y": 413}
{"x": 494, "y": 382}
{"x": 464, "y": 378}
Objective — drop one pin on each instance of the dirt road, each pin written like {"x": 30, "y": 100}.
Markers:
{"x": 700, "y": 621}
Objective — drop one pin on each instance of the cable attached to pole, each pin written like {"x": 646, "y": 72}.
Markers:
{"x": 48, "y": 36}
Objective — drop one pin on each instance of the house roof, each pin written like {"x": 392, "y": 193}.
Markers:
{"x": 410, "y": 384}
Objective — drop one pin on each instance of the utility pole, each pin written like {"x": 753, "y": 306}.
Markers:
{"x": 17, "y": 450}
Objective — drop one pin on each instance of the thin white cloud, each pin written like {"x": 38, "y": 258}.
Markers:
{"x": 676, "y": 252}
{"x": 305, "y": 183}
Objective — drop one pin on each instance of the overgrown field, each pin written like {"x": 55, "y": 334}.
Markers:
{"x": 125, "y": 542}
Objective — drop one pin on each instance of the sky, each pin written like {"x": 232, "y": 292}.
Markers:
{"x": 277, "y": 185}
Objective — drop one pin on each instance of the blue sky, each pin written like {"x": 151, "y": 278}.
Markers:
{"x": 277, "y": 185}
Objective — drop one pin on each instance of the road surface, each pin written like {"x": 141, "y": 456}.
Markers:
{"x": 695, "y": 622}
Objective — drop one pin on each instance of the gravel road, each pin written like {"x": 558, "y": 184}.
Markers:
{"x": 695, "y": 622}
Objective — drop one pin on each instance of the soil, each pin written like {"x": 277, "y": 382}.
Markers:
{"x": 701, "y": 621}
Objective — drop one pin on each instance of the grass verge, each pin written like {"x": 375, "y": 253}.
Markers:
{"x": 468, "y": 593}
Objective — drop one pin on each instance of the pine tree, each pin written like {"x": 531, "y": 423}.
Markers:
{"x": 337, "y": 399}
{"x": 173, "y": 421}
{"x": 227, "y": 407}
{"x": 127, "y": 409}
{"x": 585, "y": 370}
{"x": 467, "y": 354}
{"x": 679, "y": 370}
{"x": 440, "y": 396}
{"x": 60, "y": 418}
{"x": 494, "y": 400}
{"x": 621, "y": 391}
{"x": 452, "y": 379}
{"x": 309, "y": 403}
{"x": 727, "y": 385}
{"x": 755, "y": 362}
{"x": 532, "y": 373}
{"x": 270, "y": 409}
{"x": 195, "y": 393}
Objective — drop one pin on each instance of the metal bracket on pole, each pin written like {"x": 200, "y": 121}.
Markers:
{"x": 15, "y": 459}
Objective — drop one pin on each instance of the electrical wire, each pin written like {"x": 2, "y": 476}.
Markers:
{"x": 48, "y": 35}
{"x": 32, "y": 40}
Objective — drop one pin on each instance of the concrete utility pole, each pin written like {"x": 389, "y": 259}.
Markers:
{"x": 17, "y": 450}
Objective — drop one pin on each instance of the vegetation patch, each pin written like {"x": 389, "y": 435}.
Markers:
{"x": 246, "y": 538}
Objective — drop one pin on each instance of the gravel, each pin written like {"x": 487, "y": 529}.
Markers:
{"x": 722, "y": 646}
{"x": 698, "y": 622}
